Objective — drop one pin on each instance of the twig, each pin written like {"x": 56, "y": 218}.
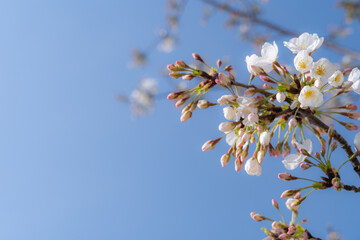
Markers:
{"x": 272, "y": 26}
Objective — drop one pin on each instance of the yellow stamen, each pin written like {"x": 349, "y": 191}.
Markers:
{"x": 302, "y": 64}
{"x": 320, "y": 70}
{"x": 308, "y": 94}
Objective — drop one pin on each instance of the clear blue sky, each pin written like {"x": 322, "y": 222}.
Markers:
{"x": 74, "y": 165}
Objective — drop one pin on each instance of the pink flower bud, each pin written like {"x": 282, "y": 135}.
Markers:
{"x": 289, "y": 193}
{"x": 351, "y": 126}
{"x": 353, "y": 115}
{"x": 347, "y": 71}
{"x": 286, "y": 177}
{"x": 223, "y": 80}
{"x": 225, "y": 159}
{"x": 291, "y": 229}
{"x": 275, "y": 204}
{"x": 187, "y": 77}
{"x": 266, "y": 86}
{"x": 277, "y": 225}
{"x": 283, "y": 236}
{"x": 180, "y": 64}
{"x": 250, "y": 92}
{"x": 257, "y": 217}
{"x": 238, "y": 165}
{"x": 351, "y": 107}
{"x": 197, "y": 57}
{"x": 304, "y": 166}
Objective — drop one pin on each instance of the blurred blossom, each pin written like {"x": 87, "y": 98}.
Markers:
{"x": 167, "y": 44}
{"x": 138, "y": 59}
{"x": 142, "y": 97}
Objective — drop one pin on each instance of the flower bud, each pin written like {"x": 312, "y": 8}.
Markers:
{"x": 334, "y": 145}
{"x": 291, "y": 229}
{"x": 283, "y": 236}
{"x": 185, "y": 116}
{"x": 187, "y": 77}
{"x": 265, "y": 138}
{"x": 250, "y": 92}
{"x": 245, "y": 137}
{"x": 318, "y": 83}
{"x": 289, "y": 193}
{"x": 287, "y": 149}
{"x": 304, "y": 166}
{"x": 351, "y": 126}
{"x": 227, "y": 126}
{"x": 252, "y": 167}
{"x": 257, "y": 217}
{"x": 219, "y": 63}
{"x": 351, "y": 107}
{"x": 337, "y": 185}
{"x": 223, "y": 80}
{"x": 275, "y": 204}
{"x": 176, "y": 75}
{"x": 210, "y": 144}
{"x": 280, "y": 97}
{"x": 225, "y": 159}
{"x": 260, "y": 156}
{"x": 253, "y": 117}
{"x": 238, "y": 165}
{"x": 203, "y": 104}
{"x": 292, "y": 123}
{"x": 286, "y": 176}
{"x": 277, "y": 225}
{"x": 173, "y": 95}
{"x": 293, "y": 204}
{"x": 229, "y": 113}
{"x": 180, "y": 64}
{"x": 197, "y": 57}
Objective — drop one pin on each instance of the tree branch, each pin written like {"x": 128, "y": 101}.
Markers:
{"x": 272, "y": 26}
{"x": 351, "y": 188}
{"x": 343, "y": 143}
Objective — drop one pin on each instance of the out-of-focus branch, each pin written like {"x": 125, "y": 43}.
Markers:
{"x": 272, "y": 26}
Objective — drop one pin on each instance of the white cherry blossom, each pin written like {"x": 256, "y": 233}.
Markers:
{"x": 336, "y": 79}
{"x": 306, "y": 41}
{"x": 357, "y": 141}
{"x": 269, "y": 54}
{"x": 322, "y": 69}
{"x": 311, "y": 97}
{"x": 354, "y": 77}
{"x": 292, "y": 161}
{"x": 303, "y": 62}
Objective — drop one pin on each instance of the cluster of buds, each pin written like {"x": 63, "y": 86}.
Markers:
{"x": 281, "y": 229}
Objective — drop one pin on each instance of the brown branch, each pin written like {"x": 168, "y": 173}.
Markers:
{"x": 343, "y": 143}
{"x": 272, "y": 26}
{"x": 351, "y": 188}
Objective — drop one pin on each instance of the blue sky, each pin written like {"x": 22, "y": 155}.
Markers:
{"x": 74, "y": 165}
